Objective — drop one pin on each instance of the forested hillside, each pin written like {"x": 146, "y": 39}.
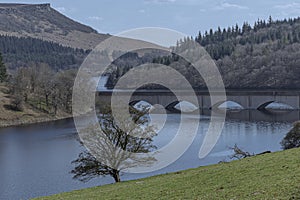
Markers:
{"x": 20, "y": 52}
{"x": 224, "y": 42}
{"x": 265, "y": 55}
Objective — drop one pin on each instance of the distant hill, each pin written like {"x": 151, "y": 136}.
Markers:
{"x": 43, "y": 22}
{"x": 37, "y": 33}
{"x": 265, "y": 55}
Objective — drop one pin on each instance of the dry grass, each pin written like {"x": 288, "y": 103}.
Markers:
{"x": 29, "y": 115}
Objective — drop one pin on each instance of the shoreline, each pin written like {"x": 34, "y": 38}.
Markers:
{"x": 28, "y": 116}
{"x": 19, "y": 123}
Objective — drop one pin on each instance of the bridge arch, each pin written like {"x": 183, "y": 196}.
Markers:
{"x": 132, "y": 103}
{"x": 140, "y": 104}
{"x": 229, "y": 105}
{"x": 281, "y": 105}
{"x": 184, "y": 106}
{"x": 171, "y": 106}
{"x": 247, "y": 99}
{"x": 264, "y": 105}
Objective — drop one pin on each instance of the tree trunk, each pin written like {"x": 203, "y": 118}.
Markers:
{"x": 116, "y": 176}
{"x": 55, "y": 109}
{"x": 47, "y": 100}
{"x": 25, "y": 97}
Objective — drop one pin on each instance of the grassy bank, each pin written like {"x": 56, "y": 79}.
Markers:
{"x": 269, "y": 176}
{"x": 29, "y": 115}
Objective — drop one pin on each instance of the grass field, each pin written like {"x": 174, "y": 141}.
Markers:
{"x": 269, "y": 176}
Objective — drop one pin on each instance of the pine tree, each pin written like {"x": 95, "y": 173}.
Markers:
{"x": 270, "y": 20}
{"x": 3, "y": 73}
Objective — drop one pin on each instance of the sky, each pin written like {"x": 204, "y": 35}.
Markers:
{"x": 186, "y": 16}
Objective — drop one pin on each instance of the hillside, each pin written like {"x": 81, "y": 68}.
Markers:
{"x": 28, "y": 115}
{"x": 269, "y": 176}
{"x": 25, "y": 51}
{"x": 43, "y": 22}
{"x": 265, "y": 55}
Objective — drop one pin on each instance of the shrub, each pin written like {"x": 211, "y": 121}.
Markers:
{"x": 292, "y": 138}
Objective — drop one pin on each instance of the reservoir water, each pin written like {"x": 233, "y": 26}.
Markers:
{"x": 35, "y": 160}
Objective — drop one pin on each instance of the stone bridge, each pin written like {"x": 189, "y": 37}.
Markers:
{"x": 248, "y": 99}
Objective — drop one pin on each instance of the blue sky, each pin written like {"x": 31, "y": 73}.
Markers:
{"x": 187, "y": 16}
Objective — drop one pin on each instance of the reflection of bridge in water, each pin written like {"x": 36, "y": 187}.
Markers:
{"x": 248, "y": 99}
{"x": 264, "y": 115}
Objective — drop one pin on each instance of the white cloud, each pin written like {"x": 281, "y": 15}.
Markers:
{"x": 95, "y": 18}
{"x": 289, "y": 9}
{"x": 288, "y": 6}
{"x": 225, "y": 5}
{"x": 142, "y": 11}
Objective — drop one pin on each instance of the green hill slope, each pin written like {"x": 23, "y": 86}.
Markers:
{"x": 270, "y": 176}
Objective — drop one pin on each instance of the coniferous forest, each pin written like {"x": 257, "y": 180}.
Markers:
{"x": 264, "y": 55}
{"x": 23, "y": 51}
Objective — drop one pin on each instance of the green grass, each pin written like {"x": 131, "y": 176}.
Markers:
{"x": 269, "y": 176}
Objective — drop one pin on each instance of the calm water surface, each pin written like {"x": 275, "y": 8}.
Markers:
{"x": 36, "y": 160}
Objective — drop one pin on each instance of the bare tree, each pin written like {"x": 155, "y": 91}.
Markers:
{"x": 3, "y": 72}
{"x": 17, "y": 102}
{"x": 239, "y": 153}
{"x": 45, "y": 82}
{"x": 20, "y": 88}
{"x": 64, "y": 83}
{"x": 115, "y": 150}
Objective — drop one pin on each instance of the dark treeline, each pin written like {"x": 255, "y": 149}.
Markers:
{"x": 265, "y": 55}
{"x": 20, "y": 51}
{"x": 222, "y": 42}
{"x": 125, "y": 61}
